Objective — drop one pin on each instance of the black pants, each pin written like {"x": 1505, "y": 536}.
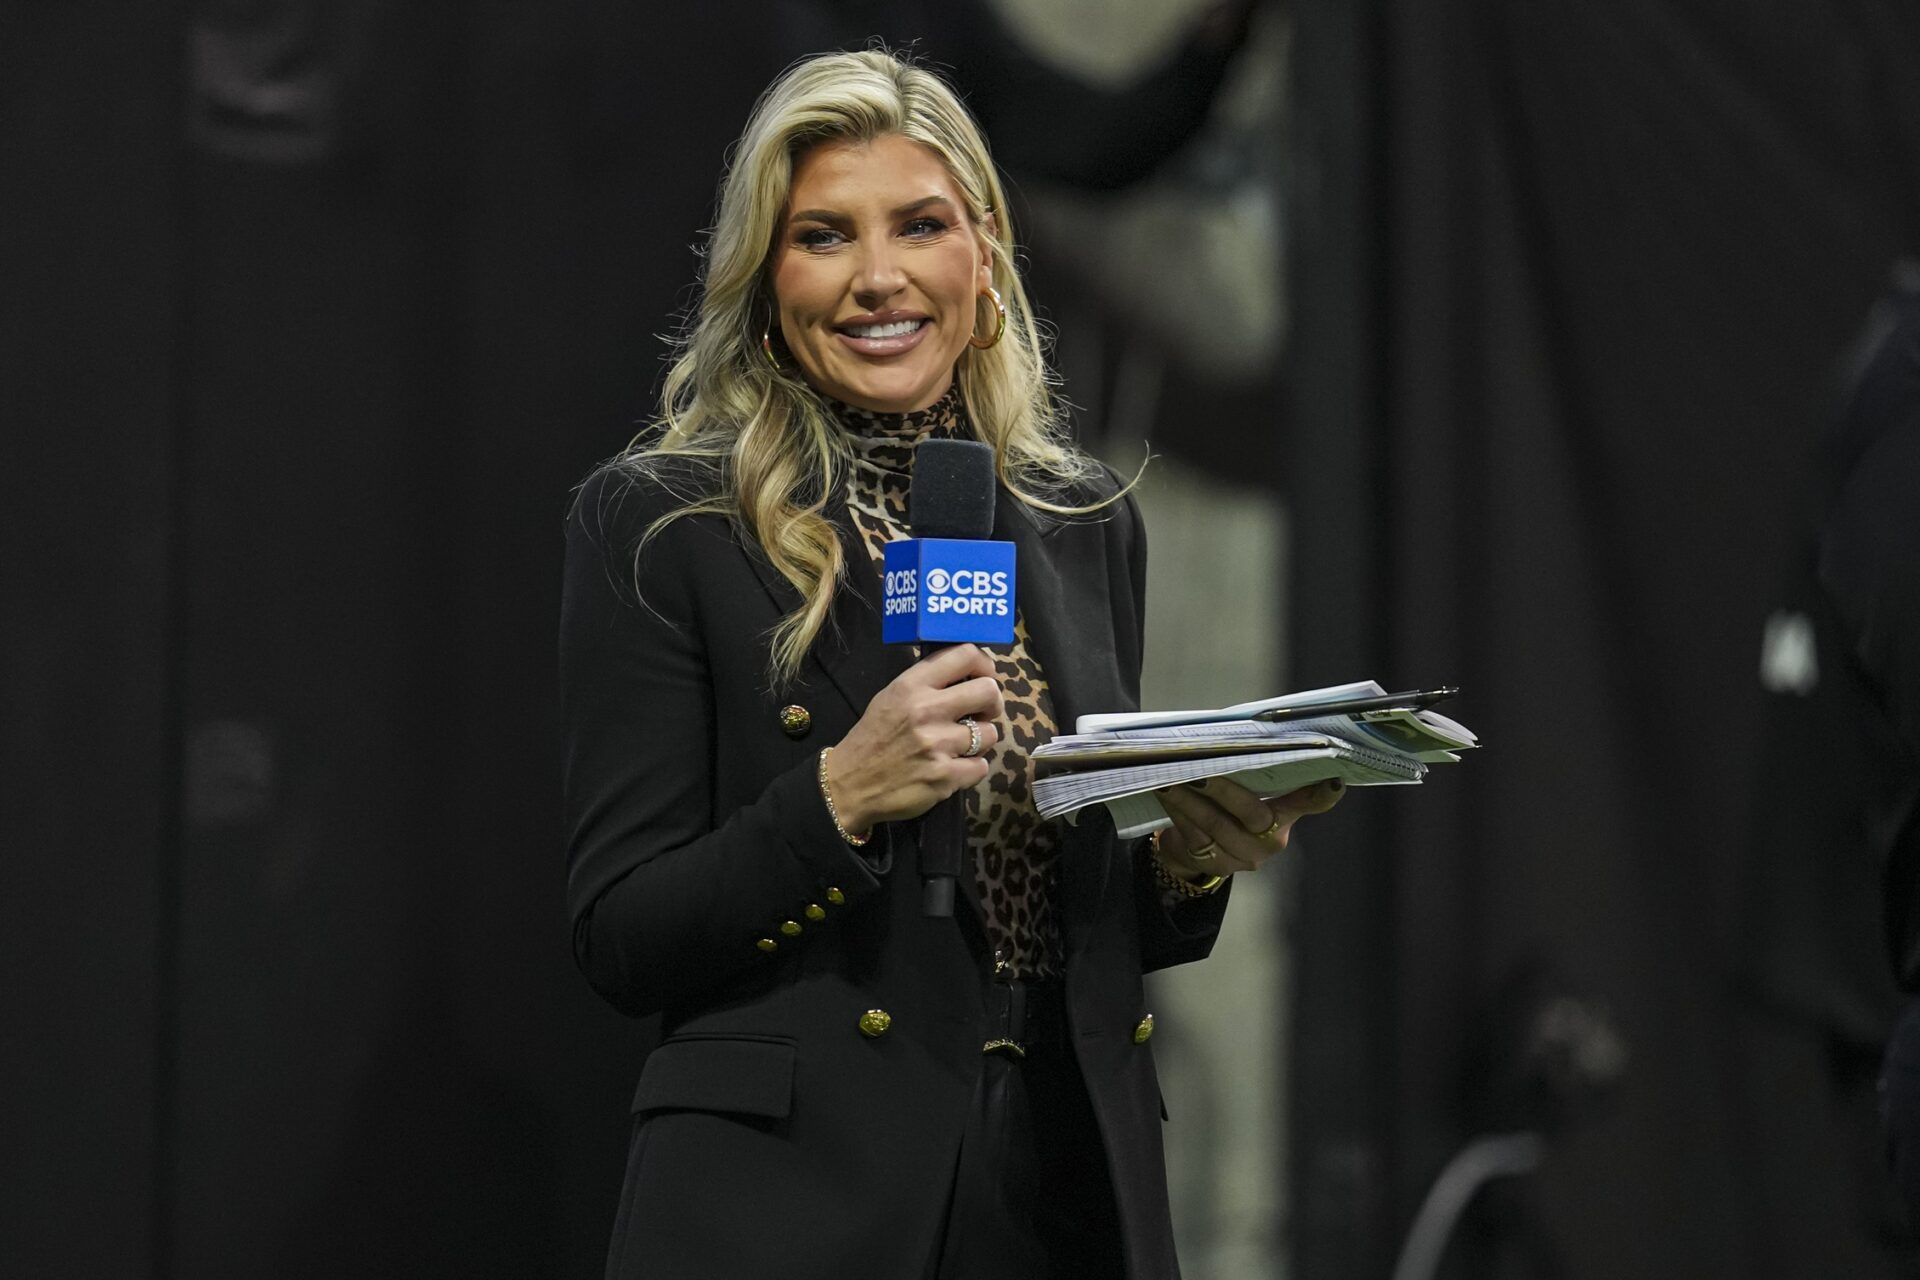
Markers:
{"x": 1031, "y": 1197}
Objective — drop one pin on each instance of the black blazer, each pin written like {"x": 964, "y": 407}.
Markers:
{"x": 772, "y": 1133}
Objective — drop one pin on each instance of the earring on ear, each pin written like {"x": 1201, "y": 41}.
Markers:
{"x": 1000, "y": 322}
{"x": 766, "y": 345}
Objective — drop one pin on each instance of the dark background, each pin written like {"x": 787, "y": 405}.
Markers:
{"x": 310, "y": 316}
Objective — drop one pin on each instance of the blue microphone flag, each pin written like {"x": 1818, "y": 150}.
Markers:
{"x": 948, "y": 591}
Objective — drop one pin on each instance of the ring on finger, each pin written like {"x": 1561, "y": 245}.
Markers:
{"x": 973, "y": 738}
{"x": 1270, "y": 829}
{"x": 1205, "y": 852}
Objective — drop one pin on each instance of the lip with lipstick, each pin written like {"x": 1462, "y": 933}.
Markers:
{"x": 883, "y": 333}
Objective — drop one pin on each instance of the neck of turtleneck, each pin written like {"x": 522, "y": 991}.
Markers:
{"x": 884, "y": 441}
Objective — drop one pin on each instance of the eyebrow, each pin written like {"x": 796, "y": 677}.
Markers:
{"x": 834, "y": 216}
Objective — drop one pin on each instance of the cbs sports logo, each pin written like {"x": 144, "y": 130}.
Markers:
{"x": 963, "y": 591}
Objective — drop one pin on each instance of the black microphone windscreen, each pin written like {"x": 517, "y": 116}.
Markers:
{"x": 953, "y": 489}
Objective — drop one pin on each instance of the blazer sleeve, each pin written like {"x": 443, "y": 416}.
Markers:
{"x": 669, "y": 898}
{"x": 1179, "y": 932}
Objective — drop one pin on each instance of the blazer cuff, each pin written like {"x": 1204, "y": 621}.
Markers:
{"x": 1193, "y": 919}
{"x": 800, "y": 812}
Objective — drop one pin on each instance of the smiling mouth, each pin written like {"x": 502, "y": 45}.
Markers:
{"x": 891, "y": 329}
{"x": 889, "y": 337}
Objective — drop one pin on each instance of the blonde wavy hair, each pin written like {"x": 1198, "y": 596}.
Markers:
{"x": 775, "y": 457}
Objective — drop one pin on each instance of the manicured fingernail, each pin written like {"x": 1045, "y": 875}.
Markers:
{"x": 1333, "y": 784}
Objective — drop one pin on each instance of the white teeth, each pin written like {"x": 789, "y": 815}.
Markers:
{"x": 893, "y": 329}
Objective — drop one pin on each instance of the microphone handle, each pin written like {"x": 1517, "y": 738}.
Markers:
{"x": 943, "y": 844}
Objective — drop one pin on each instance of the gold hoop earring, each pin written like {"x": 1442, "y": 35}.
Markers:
{"x": 766, "y": 346}
{"x": 1000, "y": 325}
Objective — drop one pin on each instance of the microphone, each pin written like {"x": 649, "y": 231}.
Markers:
{"x": 953, "y": 490}
{"x": 948, "y": 584}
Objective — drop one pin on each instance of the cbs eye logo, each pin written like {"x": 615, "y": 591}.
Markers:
{"x": 938, "y": 581}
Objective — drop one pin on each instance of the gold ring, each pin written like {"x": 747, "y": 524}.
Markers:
{"x": 1271, "y": 828}
{"x": 1205, "y": 852}
{"x": 973, "y": 740}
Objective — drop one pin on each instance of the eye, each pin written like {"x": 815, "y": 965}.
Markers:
{"x": 817, "y": 238}
{"x": 922, "y": 228}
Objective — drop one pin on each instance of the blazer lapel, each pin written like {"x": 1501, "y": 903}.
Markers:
{"x": 1063, "y": 597}
{"x": 848, "y": 648}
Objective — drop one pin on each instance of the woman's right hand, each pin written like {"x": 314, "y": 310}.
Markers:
{"x": 904, "y": 755}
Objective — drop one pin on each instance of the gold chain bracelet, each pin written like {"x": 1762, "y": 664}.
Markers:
{"x": 1179, "y": 884}
{"x": 826, "y": 793}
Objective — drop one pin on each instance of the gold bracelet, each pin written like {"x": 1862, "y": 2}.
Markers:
{"x": 826, "y": 793}
{"x": 1180, "y": 884}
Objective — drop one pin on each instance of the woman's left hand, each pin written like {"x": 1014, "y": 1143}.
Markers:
{"x": 1220, "y": 828}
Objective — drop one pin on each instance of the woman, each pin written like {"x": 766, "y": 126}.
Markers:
{"x": 845, "y": 1087}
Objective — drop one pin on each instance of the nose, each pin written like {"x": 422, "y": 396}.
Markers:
{"x": 877, "y": 275}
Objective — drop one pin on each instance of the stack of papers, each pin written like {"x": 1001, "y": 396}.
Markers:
{"x": 1120, "y": 760}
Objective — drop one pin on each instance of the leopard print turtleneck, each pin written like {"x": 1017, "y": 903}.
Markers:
{"x": 1015, "y": 853}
